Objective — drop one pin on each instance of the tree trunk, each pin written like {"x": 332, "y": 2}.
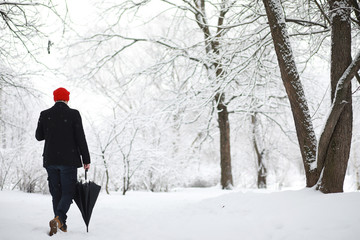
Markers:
{"x": 294, "y": 89}
{"x": 338, "y": 150}
{"x": 212, "y": 46}
{"x": 261, "y": 169}
{"x": 225, "y": 154}
{"x": 106, "y": 171}
{"x": 334, "y": 143}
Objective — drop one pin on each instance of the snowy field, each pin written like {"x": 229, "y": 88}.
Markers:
{"x": 186, "y": 214}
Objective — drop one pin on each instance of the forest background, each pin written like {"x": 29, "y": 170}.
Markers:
{"x": 172, "y": 93}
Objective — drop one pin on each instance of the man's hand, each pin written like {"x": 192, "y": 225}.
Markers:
{"x": 87, "y": 166}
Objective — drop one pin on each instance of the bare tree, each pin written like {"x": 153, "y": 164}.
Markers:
{"x": 216, "y": 70}
{"x": 222, "y": 57}
{"x": 25, "y": 26}
{"x": 260, "y": 154}
{"x": 128, "y": 170}
{"x": 105, "y": 141}
{"x": 319, "y": 159}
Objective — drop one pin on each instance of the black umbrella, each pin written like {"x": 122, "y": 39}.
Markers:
{"x": 85, "y": 197}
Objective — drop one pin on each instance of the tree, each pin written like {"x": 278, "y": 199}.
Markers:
{"x": 213, "y": 68}
{"x": 260, "y": 153}
{"x": 216, "y": 70}
{"x": 338, "y": 146}
{"x": 24, "y": 35}
{"x": 104, "y": 141}
{"x": 128, "y": 172}
{"x": 23, "y": 29}
{"x": 319, "y": 159}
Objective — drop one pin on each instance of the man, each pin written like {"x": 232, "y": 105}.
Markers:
{"x": 65, "y": 150}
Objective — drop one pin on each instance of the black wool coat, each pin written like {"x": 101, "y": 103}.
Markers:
{"x": 65, "y": 142}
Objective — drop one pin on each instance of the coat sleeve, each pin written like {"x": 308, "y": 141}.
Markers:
{"x": 81, "y": 140}
{"x": 39, "y": 134}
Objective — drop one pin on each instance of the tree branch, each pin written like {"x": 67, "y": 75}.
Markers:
{"x": 356, "y": 8}
{"x": 191, "y": 9}
{"x": 323, "y": 12}
{"x": 107, "y": 58}
{"x": 201, "y": 20}
{"x": 357, "y": 77}
{"x": 305, "y": 23}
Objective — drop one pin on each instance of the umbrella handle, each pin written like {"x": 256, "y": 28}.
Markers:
{"x": 86, "y": 174}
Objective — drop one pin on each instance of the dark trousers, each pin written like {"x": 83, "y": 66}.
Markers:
{"x": 62, "y": 180}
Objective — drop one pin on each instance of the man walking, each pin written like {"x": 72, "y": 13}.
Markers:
{"x": 65, "y": 150}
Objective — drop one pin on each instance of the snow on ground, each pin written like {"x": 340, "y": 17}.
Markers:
{"x": 186, "y": 214}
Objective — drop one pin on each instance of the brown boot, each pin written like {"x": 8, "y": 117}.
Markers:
{"x": 64, "y": 228}
{"x": 54, "y": 225}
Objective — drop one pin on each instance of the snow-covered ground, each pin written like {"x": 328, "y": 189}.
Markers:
{"x": 185, "y": 214}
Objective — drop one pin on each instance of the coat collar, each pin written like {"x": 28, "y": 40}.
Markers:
{"x": 61, "y": 104}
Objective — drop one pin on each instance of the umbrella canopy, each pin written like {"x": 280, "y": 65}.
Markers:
{"x": 85, "y": 197}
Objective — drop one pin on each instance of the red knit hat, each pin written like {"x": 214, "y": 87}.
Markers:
{"x": 61, "y": 94}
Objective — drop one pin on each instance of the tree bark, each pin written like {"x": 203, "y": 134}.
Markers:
{"x": 294, "y": 89}
{"x": 338, "y": 149}
{"x": 225, "y": 154}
